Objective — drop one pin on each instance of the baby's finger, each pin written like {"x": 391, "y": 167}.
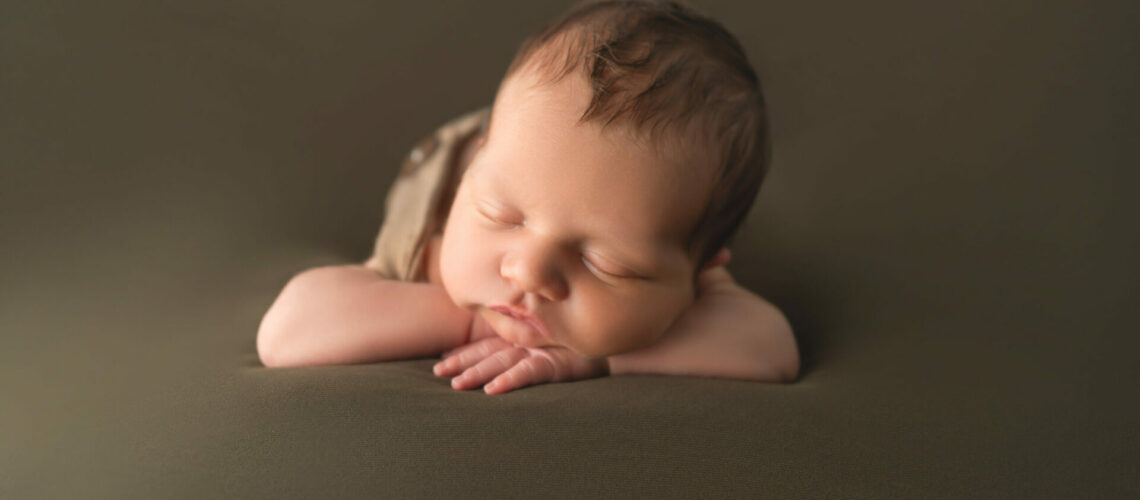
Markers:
{"x": 488, "y": 368}
{"x": 464, "y": 357}
{"x": 530, "y": 371}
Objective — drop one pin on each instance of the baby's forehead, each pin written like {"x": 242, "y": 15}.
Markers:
{"x": 679, "y": 147}
{"x": 539, "y": 143}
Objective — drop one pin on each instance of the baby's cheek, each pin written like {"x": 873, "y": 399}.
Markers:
{"x": 610, "y": 327}
{"x": 455, "y": 268}
{"x": 472, "y": 271}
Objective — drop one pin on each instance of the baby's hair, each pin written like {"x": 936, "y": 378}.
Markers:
{"x": 661, "y": 68}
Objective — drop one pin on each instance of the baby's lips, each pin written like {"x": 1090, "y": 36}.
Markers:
{"x": 531, "y": 320}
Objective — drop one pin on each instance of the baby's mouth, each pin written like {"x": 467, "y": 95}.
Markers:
{"x": 534, "y": 322}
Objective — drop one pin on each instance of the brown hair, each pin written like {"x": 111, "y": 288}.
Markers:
{"x": 660, "y": 67}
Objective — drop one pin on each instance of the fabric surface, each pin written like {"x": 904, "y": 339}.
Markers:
{"x": 949, "y": 223}
{"x": 416, "y": 201}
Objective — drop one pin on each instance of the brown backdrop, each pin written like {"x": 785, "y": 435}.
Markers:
{"x": 949, "y": 222}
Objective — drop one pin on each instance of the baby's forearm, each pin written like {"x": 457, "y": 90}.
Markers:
{"x": 349, "y": 314}
{"x": 734, "y": 334}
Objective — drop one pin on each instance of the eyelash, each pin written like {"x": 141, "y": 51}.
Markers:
{"x": 497, "y": 221}
{"x": 593, "y": 268}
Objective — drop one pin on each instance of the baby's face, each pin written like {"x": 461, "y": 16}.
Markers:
{"x": 579, "y": 229}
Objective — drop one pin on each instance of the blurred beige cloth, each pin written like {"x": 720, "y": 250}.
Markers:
{"x": 416, "y": 205}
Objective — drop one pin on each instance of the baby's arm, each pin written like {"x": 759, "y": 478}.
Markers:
{"x": 728, "y": 332}
{"x": 349, "y": 314}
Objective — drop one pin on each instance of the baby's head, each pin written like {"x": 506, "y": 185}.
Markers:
{"x": 626, "y": 144}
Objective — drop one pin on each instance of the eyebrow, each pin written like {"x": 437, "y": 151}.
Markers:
{"x": 639, "y": 257}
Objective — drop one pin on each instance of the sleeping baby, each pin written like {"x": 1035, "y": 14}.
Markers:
{"x": 577, "y": 228}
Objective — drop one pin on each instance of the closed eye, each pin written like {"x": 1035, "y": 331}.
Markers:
{"x": 606, "y": 270}
{"x": 597, "y": 271}
{"x": 496, "y": 220}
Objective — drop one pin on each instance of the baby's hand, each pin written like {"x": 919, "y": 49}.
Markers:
{"x": 504, "y": 366}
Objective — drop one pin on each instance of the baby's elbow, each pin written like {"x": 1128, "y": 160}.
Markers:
{"x": 275, "y": 335}
{"x": 789, "y": 354}
{"x": 779, "y": 367}
{"x": 788, "y": 368}
{"x": 267, "y": 350}
{"x": 271, "y": 339}
{"x": 778, "y": 353}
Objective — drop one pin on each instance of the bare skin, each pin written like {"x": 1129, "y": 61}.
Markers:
{"x": 563, "y": 258}
{"x": 702, "y": 339}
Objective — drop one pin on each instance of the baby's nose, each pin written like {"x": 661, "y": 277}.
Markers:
{"x": 535, "y": 270}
